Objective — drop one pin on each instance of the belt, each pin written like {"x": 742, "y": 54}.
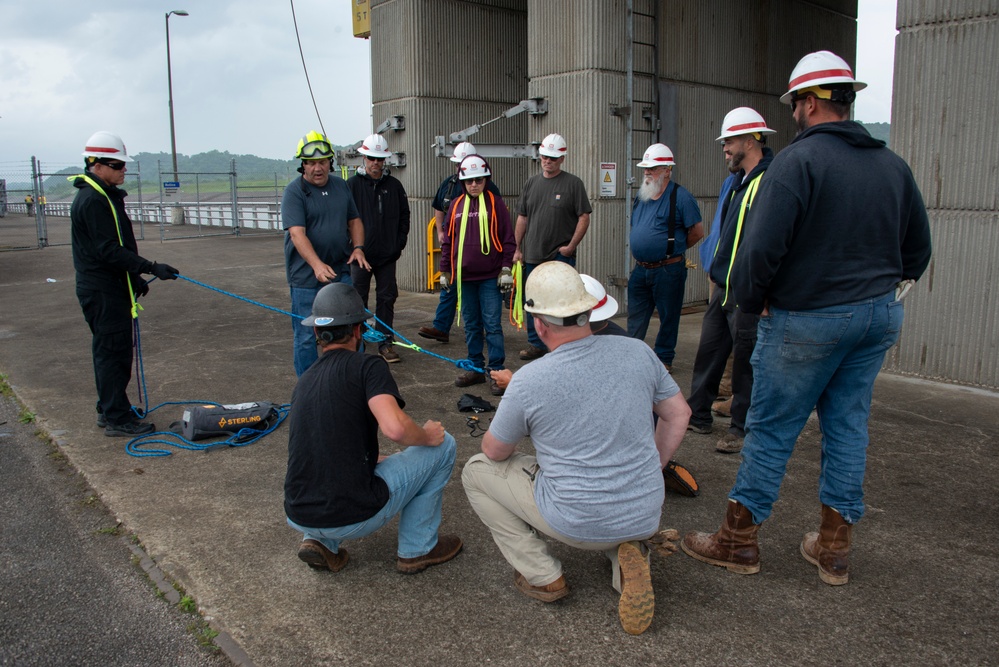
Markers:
{"x": 656, "y": 265}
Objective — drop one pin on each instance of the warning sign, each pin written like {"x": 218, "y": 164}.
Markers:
{"x": 608, "y": 179}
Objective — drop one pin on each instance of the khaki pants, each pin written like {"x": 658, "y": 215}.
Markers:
{"x": 502, "y": 494}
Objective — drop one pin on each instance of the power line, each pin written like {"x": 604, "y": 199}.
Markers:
{"x": 302, "y": 54}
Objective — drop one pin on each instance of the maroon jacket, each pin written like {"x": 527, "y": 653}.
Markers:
{"x": 475, "y": 265}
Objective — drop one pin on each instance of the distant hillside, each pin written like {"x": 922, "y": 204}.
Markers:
{"x": 879, "y": 130}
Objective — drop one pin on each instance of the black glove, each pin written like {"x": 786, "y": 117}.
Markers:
{"x": 140, "y": 285}
{"x": 164, "y": 271}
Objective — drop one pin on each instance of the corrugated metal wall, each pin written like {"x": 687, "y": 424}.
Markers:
{"x": 943, "y": 124}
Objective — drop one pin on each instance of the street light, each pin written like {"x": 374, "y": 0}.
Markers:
{"x": 173, "y": 136}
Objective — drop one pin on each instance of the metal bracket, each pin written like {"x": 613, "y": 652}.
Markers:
{"x": 536, "y": 106}
{"x": 616, "y": 110}
{"x": 394, "y": 123}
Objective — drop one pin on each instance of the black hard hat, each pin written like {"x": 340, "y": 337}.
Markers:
{"x": 335, "y": 305}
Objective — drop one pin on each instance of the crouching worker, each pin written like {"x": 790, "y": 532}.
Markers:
{"x": 596, "y": 482}
{"x": 336, "y": 489}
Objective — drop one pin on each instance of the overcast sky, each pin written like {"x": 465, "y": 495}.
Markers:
{"x": 68, "y": 69}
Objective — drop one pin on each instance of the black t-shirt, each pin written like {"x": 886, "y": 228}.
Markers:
{"x": 333, "y": 441}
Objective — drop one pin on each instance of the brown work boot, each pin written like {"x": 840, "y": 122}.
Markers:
{"x": 434, "y": 334}
{"x": 318, "y": 557}
{"x": 733, "y": 546}
{"x": 530, "y": 353}
{"x": 447, "y": 548}
{"x": 729, "y": 443}
{"x": 638, "y": 600}
{"x": 722, "y": 407}
{"x": 556, "y": 590}
{"x": 468, "y": 378}
{"x": 829, "y": 548}
{"x": 388, "y": 354}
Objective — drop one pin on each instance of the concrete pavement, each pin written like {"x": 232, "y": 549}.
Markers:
{"x": 924, "y": 585}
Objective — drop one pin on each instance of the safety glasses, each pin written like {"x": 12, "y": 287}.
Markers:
{"x": 117, "y": 166}
{"x": 317, "y": 149}
{"x": 480, "y": 179}
{"x": 374, "y": 159}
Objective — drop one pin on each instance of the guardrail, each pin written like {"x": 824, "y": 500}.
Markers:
{"x": 263, "y": 216}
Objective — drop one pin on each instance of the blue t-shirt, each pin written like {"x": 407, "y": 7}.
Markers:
{"x": 650, "y": 224}
{"x": 324, "y": 213}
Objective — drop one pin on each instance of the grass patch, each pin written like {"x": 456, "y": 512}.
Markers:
{"x": 111, "y": 530}
{"x": 26, "y": 416}
{"x": 5, "y": 389}
{"x": 188, "y": 604}
{"x": 204, "y": 634}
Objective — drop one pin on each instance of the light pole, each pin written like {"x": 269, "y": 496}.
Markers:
{"x": 173, "y": 136}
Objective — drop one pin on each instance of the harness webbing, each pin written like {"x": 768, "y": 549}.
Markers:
{"x": 747, "y": 203}
{"x": 136, "y": 307}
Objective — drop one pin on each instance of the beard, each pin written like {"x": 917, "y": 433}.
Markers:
{"x": 734, "y": 163}
{"x": 651, "y": 186}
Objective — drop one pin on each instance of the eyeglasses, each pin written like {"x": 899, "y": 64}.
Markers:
{"x": 374, "y": 159}
{"x": 480, "y": 179}
{"x": 117, "y": 166}
{"x": 549, "y": 158}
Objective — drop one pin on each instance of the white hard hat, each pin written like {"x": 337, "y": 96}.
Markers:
{"x": 555, "y": 289}
{"x": 657, "y": 155}
{"x": 374, "y": 145}
{"x": 606, "y": 306}
{"x": 743, "y": 120}
{"x": 462, "y": 150}
{"x": 473, "y": 166}
{"x": 817, "y": 69}
{"x": 553, "y": 146}
{"x": 106, "y": 145}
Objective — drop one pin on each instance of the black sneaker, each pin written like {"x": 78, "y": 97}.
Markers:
{"x": 128, "y": 429}
{"x": 101, "y": 420}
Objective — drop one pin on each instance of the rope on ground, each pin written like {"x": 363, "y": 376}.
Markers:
{"x": 244, "y": 436}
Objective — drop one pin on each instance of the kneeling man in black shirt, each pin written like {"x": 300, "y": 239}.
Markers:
{"x": 336, "y": 489}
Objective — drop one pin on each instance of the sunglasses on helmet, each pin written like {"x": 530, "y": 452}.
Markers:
{"x": 317, "y": 149}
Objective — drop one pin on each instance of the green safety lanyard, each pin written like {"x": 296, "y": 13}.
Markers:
{"x": 136, "y": 307}
{"x": 747, "y": 203}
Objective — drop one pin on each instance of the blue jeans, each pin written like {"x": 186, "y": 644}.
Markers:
{"x": 657, "y": 289}
{"x": 446, "y": 308}
{"x": 532, "y": 334}
{"x": 825, "y": 358}
{"x": 301, "y": 304}
{"x": 416, "y": 478}
{"x": 482, "y": 308}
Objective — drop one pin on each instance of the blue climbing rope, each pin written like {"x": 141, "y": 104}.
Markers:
{"x": 138, "y": 446}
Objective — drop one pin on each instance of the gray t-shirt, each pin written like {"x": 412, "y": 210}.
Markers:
{"x": 324, "y": 212}
{"x": 552, "y": 207}
{"x": 587, "y": 406}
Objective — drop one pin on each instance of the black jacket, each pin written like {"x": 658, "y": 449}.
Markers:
{"x": 384, "y": 209}
{"x": 100, "y": 257}
{"x": 730, "y": 221}
{"x": 838, "y": 218}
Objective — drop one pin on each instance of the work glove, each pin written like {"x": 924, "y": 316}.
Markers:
{"x": 445, "y": 283}
{"x": 140, "y": 285}
{"x": 164, "y": 271}
{"x": 505, "y": 280}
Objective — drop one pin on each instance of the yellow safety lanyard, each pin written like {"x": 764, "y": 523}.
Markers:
{"x": 747, "y": 203}
{"x": 483, "y": 240}
{"x": 136, "y": 307}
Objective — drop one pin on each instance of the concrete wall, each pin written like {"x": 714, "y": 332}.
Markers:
{"x": 943, "y": 124}
{"x": 446, "y": 65}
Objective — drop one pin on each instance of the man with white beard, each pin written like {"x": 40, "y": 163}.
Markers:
{"x": 665, "y": 222}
